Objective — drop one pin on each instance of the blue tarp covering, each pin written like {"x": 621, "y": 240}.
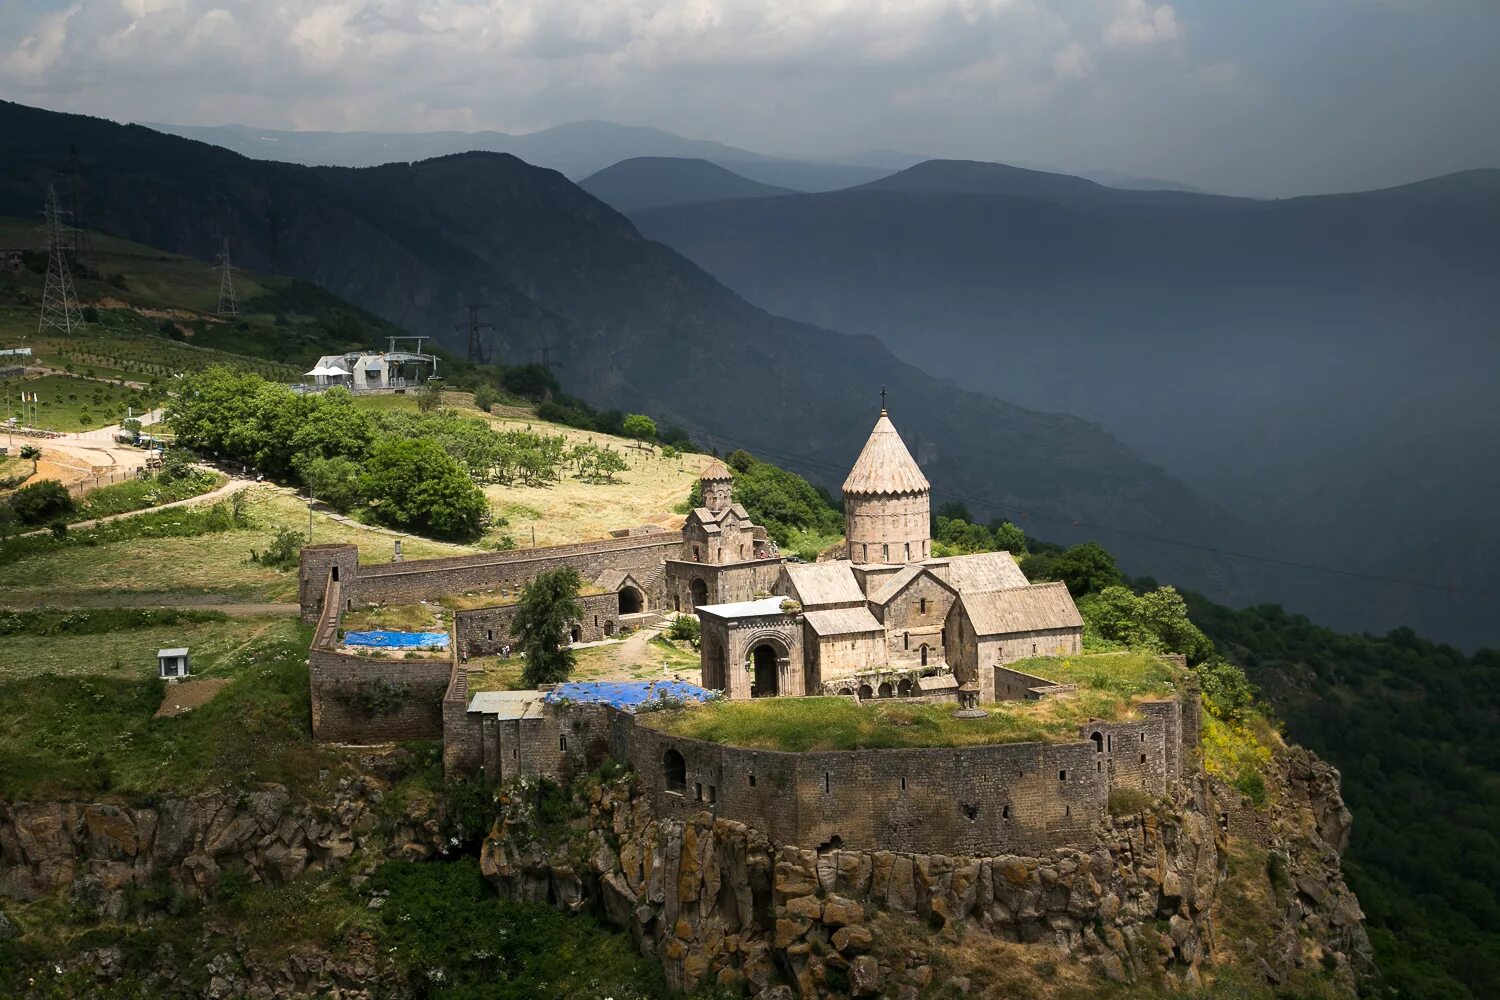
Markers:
{"x": 386, "y": 639}
{"x": 626, "y": 694}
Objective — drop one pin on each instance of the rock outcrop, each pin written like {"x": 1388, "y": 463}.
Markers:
{"x": 95, "y": 850}
{"x": 716, "y": 901}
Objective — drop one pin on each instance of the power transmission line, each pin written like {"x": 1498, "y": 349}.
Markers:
{"x": 1030, "y": 515}
{"x": 59, "y": 299}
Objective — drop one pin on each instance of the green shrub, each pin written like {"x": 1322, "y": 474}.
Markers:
{"x": 456, "y": 939}
{"x": 41, "y": 502}
{"x": 284, "y": 552}
{"x": 684, "y": 628}
{"x": 486, "y": 398}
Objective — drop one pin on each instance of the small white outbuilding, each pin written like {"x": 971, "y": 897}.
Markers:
{"x": 172, "y": 663}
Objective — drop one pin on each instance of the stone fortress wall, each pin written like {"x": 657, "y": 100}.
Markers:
{"x": 1017, "y": 798}
{"x": 1004, "y": 798}
{"x": 369, "y": 699}
{"x": 372, "y": 699}
{"x": 430, "y": 579}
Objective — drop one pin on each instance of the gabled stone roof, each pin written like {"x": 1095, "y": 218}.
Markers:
{"x": 890, "y": 588}
{"x": 824, "y": 584}
{"x": 843, "y": 621}
{"x": 885, "y": 466}
{"x": 1022, "y": 609}
{"x": 984, "y": 571}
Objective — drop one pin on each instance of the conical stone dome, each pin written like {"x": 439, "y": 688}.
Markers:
{"x": 885, "y": 466}
{"x": 716, "y": 470}
{"x": 887, "y": 502}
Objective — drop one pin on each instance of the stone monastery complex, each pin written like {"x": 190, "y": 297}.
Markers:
{"x": 886, "y": 620}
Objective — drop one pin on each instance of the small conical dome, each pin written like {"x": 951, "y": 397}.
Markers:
{"x": 885, "y": 466}
{"x": 716, "y": 471}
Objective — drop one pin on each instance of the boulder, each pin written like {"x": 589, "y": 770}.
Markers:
{"x": 864, "y": 976}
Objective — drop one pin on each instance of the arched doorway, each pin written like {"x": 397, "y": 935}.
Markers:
{"x": 699, "y": 589}
{"x": 632, "y": 601}
{"x": 1098, "y": 739}
{"x": 767, "y": 672}
{"x": 903, "y": 690}
{"x": 674, "y": 771}
{"x": 885, "y": 690}
{"x": 577, "y": 632}
{"x": 609, "y": 628}
{"x": 866, "y": 692}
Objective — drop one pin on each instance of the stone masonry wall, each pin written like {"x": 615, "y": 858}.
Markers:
{"x": 428, "y": 579}
{"x": 482, "y": 631}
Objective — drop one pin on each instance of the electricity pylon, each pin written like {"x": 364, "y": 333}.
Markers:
{"x": 59, "y": 299}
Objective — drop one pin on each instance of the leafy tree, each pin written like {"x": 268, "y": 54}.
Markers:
{"x": 640, "y": 426}
{"x": 419, "y": 486}
{"x": 1156, "y": 621}
{"x": 332, "y": 426}
{"x": 956, "y": 535}
{"x": 1087, "y": 569}
{"x": 41, "y": 502}
{"x": 548, "y": 604}
{"x": 485, "y": 397}
{"x": 607, "y": 462}
{"x": 1008, "y": 537}
{"x": 335, "y": 481}
{"x": 429, "y": 397}
{"x": 32, "y": 452}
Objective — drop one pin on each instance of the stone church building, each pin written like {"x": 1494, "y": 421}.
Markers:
{"x": 887, "y": 620}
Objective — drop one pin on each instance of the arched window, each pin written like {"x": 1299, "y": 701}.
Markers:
{"x": 922, "y": 606}
{"x": 1098, "y": 741}
{"x": 908, "y": 551}
{"x": 674, "y": 770}
{"x": 906, "y": 640}
{"x": 885, "y": 553}
{"x": 924, "y": 654}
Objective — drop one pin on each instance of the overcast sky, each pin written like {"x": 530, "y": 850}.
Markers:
{"x": 1268, "y": 97}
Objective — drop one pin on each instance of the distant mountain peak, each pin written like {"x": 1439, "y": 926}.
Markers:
{"x": 644, "y": 182}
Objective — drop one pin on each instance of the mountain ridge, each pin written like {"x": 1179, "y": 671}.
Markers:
{"x": 632, "y": 322}
{"x": 657, "y": 181}
{"x": 1247, "y": 346}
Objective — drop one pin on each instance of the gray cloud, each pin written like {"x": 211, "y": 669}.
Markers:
{"x": 1197, "y": 89}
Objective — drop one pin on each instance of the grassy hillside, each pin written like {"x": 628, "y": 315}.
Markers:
{"x": 153, "y": 314}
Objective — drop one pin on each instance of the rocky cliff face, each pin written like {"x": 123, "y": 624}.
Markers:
{"x": 1163, "y": 896}
{"x": 104, "y": 857}
{"x": 1198, "y": 890}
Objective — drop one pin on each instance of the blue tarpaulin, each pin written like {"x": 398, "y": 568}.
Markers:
{"x": 626, "y": 694}
{"x": 386, "y": 639}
